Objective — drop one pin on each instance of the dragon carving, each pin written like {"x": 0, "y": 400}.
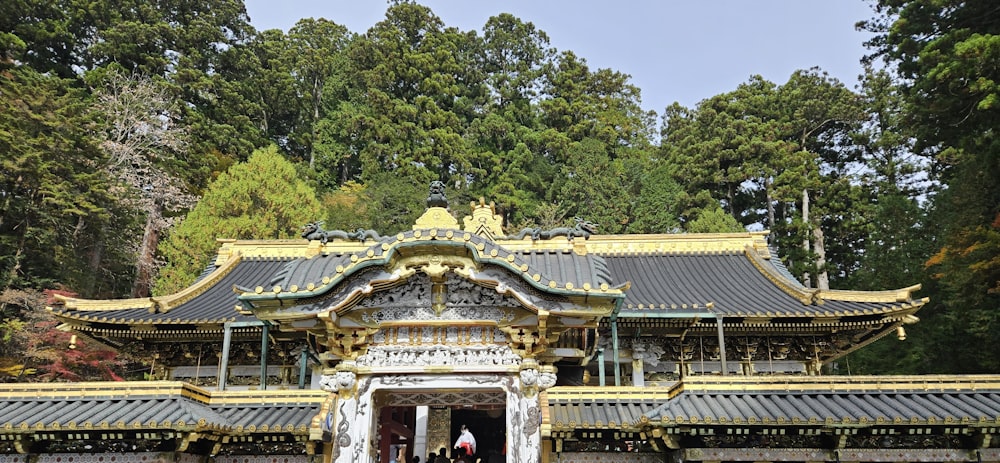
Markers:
{"x": 583, "y": 228}
{"x": 314, "y": 231}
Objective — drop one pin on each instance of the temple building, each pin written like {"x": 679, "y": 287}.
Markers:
{"x": 559, "y": 345}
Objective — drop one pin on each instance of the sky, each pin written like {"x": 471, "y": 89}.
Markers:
{"x": 674, "y": 50}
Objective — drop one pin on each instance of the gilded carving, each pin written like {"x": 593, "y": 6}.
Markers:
{"x": 484, "y": 221}
{"x": 438, "y": 354}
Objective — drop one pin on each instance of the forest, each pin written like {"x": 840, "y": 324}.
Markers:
{"x": 134, "y": 133}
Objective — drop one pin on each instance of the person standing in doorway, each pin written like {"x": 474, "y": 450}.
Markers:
{"x": 466, "y": 441}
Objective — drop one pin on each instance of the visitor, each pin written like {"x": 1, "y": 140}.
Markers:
{"x": 442, "y": 456}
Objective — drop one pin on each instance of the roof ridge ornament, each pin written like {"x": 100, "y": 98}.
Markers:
{"x": 436, "y": 198}
{"x": 437, "y": 214}
{"x": 484, "y": 220}
{"x": 582, "y": 228}
{"x": 314, "y": 231}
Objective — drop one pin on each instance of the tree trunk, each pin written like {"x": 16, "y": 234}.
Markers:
{"x": 819, "y": 248}
{"x": 317, "y": 100}
{"x": 730, "y": 195}
{"x": 770, "y": 203}
{"x": 805, "y": 241}
{"x": 96, "y": 257}
{"x": 144, "y": 264}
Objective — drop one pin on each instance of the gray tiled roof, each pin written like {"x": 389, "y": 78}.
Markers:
{"x": 730, "y": 281}
{"x": 560, "y": 266}
{"x": 577, "y": 407}
{"x": 662, "y": 283}
{"x": 217, "y": 304}
{"x": 881, "y": 401}
{"x": 780, "y": 401}
{"x": 151, "y": 405}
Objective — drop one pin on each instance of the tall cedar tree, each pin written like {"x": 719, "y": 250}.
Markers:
{"x": 54, "y": 199}
{"x": 944, "y": 52}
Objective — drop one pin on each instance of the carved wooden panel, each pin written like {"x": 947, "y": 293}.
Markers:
{"x": 438, "y": 429}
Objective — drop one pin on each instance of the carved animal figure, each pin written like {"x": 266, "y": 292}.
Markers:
{"x": 314, "y": 231}
{"x": 436, "y": 197}
{"x": 583, "y": 228}
{"x": 362, "y": 235}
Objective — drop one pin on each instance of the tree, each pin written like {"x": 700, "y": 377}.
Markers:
{"x": 54, "y": 199}
{"x": 601, "y": 105}
{"x": 777, "y": 156}
{"x": 819, "y": 113}
{"x": 409, "y": 83}
{"x": 713, "y": 220}
{"x": 259, "y": 199}
{"x": 592, "y": 187}
{"x": 387, "y": 204}
{"x": 33, "y": 348}
{"x": 506, "y": 132}
{"x": 729, "y": 146}
{"x": 314, "y": 53}
{"x": 139, "y": 135}
{"x": 657, "y": 207}
{"x": 940, "y": 51}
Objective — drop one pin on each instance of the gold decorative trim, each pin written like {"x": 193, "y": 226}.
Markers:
{"x": 897, "y": 295}
{"x": 857, "y": 384}
{"x": 93, "y": 305}
{"x": 435, "y": 217}
{"x": 678, "y": 243}
{"x": 124, "y": 389}
{"x": 609, "y": 393}
{"x": 484, "y": 221}
{"x": 804, "y": 295}
{"x": 168, "y": 302}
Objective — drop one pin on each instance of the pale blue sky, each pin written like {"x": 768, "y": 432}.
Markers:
{"x": 674, "y": 50}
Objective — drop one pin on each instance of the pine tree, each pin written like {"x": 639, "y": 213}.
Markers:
{"x": 260, "y": 199}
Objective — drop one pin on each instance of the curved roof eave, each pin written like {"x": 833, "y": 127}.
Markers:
{"x": 383, "y": 253}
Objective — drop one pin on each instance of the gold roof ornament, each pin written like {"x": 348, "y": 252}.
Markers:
{"x": 484, "y": 221}
{"x": 437, "y": 214}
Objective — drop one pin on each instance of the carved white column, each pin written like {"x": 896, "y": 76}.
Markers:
{"x": 524, "y": 415}
{"x": 350, "y": 422}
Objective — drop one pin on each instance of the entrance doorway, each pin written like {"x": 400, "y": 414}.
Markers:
{"x": 488, "y": 426}
{"x": 417, "y": 423}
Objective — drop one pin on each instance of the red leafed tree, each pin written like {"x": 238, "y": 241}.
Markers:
{"x": 35, "y": 349}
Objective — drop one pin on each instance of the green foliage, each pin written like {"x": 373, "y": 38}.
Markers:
{"x": 901, "y": 173}
{"x": 592, "y": 188}
{"x": 769, "y": 153}
{"x": 313, "y": 54}
{"x": 387, "y": 204}
{"x": 54, "y": 200}
{"x": 657, "y": 207}
{"x": 409, "y": 80}
{"x": 713, "y": 220}
{"x": 259, "y": 199}
{"x": 948, "y": 95}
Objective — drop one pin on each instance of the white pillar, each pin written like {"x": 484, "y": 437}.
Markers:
{"x": 638, "y": 375}
{"x": 420, "y": 433}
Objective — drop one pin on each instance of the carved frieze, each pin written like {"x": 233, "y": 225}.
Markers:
{"x": 438, "y": 355}
{"x": 747, "y": 349}
{"x": 416, "y": 293}
{"x": 496, "y": 314}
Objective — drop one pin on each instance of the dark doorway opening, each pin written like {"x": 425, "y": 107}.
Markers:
{"x": 488, "y": 426}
